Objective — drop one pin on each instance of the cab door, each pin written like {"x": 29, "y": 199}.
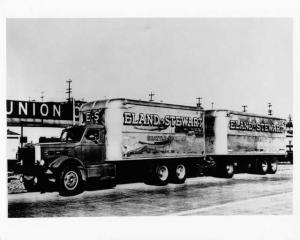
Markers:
{"x": 93, "y": 148}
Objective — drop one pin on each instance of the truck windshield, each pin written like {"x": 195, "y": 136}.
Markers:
{"x": 72, "y": 134}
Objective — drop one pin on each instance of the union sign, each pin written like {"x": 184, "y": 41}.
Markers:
{"x": 56, "y": 114}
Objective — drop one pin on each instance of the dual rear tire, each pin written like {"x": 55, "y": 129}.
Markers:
{"x": 225, "y": 169}
{"x": 264, "y": 166}
{"x": 163, "y": 173}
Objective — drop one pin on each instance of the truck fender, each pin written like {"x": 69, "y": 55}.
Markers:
{"x": 60, "y": 161}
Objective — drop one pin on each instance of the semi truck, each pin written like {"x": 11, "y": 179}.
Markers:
{"x": 164, "y": 142}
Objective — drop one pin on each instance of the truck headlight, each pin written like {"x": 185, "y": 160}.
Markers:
{"x": 42, "y": 162}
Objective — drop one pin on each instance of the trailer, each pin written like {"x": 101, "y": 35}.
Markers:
{"x": 244, "y": 141}
{"x": 162, "y": 142}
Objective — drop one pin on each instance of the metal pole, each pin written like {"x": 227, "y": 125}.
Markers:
{"x": 21, "y": 135}
{"x": 69, "y": 90}
{"x": 270, "y": 110}
{"x": 151, "y": 97}
{"x": 42, "y": 96}
{"x": 199, "y": 102}
{"x": 73, "y": 111}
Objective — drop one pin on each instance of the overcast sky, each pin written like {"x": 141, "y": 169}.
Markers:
{"x": 231, "y": 62}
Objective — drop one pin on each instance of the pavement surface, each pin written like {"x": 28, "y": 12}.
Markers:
{"x": 244, "y": 194}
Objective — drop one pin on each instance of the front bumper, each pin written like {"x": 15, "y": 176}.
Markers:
{"x": 38, "y": 172}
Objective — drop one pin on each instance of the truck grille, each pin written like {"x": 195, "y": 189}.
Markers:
{"x": 27, "y": 156}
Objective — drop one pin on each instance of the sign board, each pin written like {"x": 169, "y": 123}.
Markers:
{"x": 40, "y": 114}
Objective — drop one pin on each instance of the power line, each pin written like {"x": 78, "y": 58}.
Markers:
{"x": 69, "y": 90}
{"x": 199, "y": 104}
{"x": 270, "y": 112}
{"x": 151, "y": 96}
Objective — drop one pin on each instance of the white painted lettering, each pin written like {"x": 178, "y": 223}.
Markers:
{"x": 44, "y": 110}
{"x": 22, "y": 108}
{"x": 10, "y": 108}
{"x": 33, "y": 109}
{"x": 56, "y": 110}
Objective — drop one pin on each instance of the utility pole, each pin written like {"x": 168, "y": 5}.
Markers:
{"x": 244, "y": 108}
{"x": 42, "y": 96}
{"x": 269, "y": 110}
{"x": 69, "y": 90}
{"x": 199, "y": 102}
{"x": 151, "y": 97}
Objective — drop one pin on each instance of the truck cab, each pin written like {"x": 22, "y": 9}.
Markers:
{"x": 78, "y": 156}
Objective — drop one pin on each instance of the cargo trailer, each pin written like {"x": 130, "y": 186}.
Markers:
{"x": 162, "y": 142}
{"x": 239, "y": 140}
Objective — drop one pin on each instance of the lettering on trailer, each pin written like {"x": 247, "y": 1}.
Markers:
{"x": 94, "y": 116}
{"x": 149, "y": 119}
{"x": 258, "y": 127}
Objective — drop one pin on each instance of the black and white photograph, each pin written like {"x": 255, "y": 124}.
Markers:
{"x": 149, "y": 117}
{"x": 131, "y": 120}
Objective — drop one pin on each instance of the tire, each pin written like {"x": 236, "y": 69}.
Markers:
{"x": 70, "y": 181}
{"x": 161, "y": 174}
{"x": 225, "y": 170}
{"x": 261, "y": 166}
{"x": 272, "y": 166}
{"x": 179, "y": 173}
{"x": 31, "y": 185}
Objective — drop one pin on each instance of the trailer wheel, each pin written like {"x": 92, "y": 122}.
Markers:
{"x": 272, "y": 166}
{"x": 261, "y": 166}
{"x": 179, "y": 173}
{"x": 225, "y": 169}
{"x": 161, "y": 174}
{"x": 70, "y": 181}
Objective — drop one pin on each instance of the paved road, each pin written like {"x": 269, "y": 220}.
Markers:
{"x": 244, "y": 194}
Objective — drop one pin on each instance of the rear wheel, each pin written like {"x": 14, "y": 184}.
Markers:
{"x": 70, "y": 181}
{"x": 179, "y": 174}
{"x": 225, "y": 169}
{"x": 272, "y": 166}
{"x": 261, "y": 166}
{"x": 161, "y": 174}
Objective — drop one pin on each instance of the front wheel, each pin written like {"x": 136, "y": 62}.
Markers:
{"x": 70, "y": 181}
